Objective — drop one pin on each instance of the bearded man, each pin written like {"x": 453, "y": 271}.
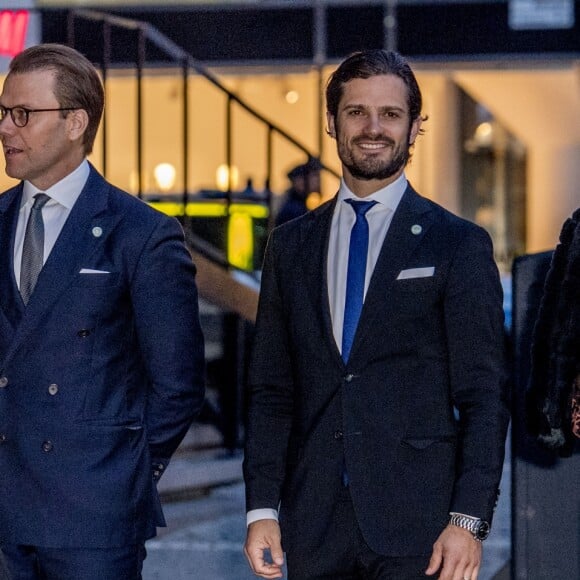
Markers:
{"x": 377, "y": 416}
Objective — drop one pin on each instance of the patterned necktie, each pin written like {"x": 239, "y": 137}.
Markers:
{"x": 32, "y": 248}
{"x": 355, "y": 279}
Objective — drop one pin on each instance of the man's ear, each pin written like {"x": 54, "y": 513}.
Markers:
{"x": 78, "y": 121}
{"x": 331, "y": 125}
{"x": 415, "y": 129}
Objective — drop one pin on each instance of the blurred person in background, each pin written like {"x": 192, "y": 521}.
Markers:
{"x": 305, "y": 182}
{"x": 553, "y": 395}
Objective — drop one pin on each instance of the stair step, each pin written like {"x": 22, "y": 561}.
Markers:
{"x": 198, "y": 472}
{"x": 200, "y": 436}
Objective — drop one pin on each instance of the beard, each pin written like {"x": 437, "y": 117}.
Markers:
{"x": 368, "y": 167}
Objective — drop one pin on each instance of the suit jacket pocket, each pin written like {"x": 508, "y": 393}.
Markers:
{"x": 97, "y": 280}
{"x": 425, "y": 466}
{"x": 425, "y": 442}
{"x": 421, "y": 284}
{"x": 113, "y": 422}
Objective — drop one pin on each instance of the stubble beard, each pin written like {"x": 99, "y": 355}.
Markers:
{"x": 369, "y": 167}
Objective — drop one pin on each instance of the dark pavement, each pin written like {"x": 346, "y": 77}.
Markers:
{"x": 205, "y": 533}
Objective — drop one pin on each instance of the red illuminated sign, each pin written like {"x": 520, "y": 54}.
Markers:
{"x": 13, "y": 25}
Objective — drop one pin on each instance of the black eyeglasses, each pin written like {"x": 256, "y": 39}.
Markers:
{"x": 20, "y": 114}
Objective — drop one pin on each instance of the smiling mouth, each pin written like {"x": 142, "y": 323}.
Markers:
{"x": 9, "y": 151}
{"x": 373, "y": 143}
{"x": 372, "y": 146}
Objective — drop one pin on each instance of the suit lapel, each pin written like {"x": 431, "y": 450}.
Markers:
{"x": 314, "y": 251}
{"x": 410, "y": 223}
{"x": 11, "y": 306}
{"x": 78, "y": 240}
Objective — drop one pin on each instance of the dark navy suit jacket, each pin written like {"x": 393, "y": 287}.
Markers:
{"x": 425, "y": 347}
{"x": 100, "y": 374}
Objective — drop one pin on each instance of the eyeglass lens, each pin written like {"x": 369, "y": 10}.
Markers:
{"x": 18, "y": 114}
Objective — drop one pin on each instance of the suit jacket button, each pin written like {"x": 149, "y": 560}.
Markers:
{"x": 83, "y": 333}
{"x": 53, "y": 389}
{"x": 348, "y": 378}
{"x": 47, "y": 446}
{"x": 2, "y": 437}
{"x": 3, "y": 382}
{"x": 338, "y": 434}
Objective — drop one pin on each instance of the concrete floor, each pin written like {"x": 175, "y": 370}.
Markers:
{"x": 204, "y": 537}
{"x": 203, "y": 540}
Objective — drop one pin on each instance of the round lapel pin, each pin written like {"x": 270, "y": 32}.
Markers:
{"x": 97, "y": 232}
{"x": 416, "y": 229}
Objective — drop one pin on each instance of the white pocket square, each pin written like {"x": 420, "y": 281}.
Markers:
{"x": 416, "y": 273}
{"x": 90, "y": 271}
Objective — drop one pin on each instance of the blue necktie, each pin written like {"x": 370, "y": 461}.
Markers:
{"x": 355, "y": 279}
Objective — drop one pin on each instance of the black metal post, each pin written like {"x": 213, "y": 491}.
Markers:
{"x": 185, "y": 76}
{"x": 140, "y": 66}
{"x": 319, "y": 40}
{"x": 70, "y": 28}
{"x": 390, "y": 25}
{"x": 232, "y": 396}
{"x": 229, "y": 151}
{"x": 105, "y": 64}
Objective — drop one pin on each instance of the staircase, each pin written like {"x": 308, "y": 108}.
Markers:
{"x": 210, "y": 454}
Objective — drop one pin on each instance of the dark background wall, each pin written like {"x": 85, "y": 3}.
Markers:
{"x": 267, "y": 34}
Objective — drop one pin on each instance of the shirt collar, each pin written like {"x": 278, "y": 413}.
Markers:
{"x": 389, "y": 196}
{"x": 66, "y": 191}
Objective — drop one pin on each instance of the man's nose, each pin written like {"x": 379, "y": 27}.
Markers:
{"x": 373, "y": 124}
{"x": 6, "y": 124}
{"x": 4, "y": 120}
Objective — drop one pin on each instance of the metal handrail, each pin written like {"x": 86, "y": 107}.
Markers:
{"x": 147, "y": 32}
{"x": 217, "y": 281}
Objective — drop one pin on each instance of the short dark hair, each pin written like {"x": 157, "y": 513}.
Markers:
{"x": 370, "y": 63}
{"x": 77, "y": 83}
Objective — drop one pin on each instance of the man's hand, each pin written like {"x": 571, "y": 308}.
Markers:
{"x": 264, "y": 535}
{"x": 456, "y": 555}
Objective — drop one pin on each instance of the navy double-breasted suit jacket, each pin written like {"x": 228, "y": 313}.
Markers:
{"x": 100, "y": 374}
{"x": 417, "y": 415}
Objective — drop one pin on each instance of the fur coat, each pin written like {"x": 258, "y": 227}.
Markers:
{"x": 553, "y": 395}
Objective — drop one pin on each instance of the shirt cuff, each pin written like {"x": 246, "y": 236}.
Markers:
{"x": 261, "y": 514}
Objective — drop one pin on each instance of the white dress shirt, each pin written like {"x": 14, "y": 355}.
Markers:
{"x": 55, "y": 212}
{"x": 379, "y": 218}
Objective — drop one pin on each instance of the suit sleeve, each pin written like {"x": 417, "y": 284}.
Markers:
{"x": 271, "y": 394}
{"x": 478, "y": 373}
{"x": 165, "y": 302}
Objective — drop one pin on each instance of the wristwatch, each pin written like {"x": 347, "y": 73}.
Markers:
{"x": 478, "y": 527}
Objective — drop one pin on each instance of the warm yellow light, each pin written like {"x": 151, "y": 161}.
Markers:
{"x": 133, "y": 181}
{"x": 164, "y": 174}
{"x": 210, "y": 209}
{"x": 241, "y": 241}
{"x": 484, "y": 134}
{"x": 292, "y": 97}
{"x": 313, "y": 200}
{"x": 224, "y": 179}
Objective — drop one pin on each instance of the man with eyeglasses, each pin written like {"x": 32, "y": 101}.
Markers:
{"x": 101, "y": 351}
{"x": 20, "y": 115}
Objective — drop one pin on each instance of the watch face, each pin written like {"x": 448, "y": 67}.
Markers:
{"x": 482, "y": 530}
